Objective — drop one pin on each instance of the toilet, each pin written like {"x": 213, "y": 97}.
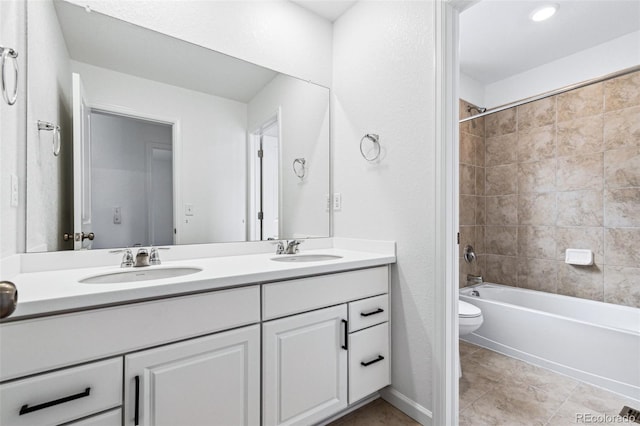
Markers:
{"x": 469, "y": 320}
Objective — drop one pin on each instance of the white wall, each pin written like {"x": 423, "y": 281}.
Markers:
{"x": 617, "y": 54}
{"x": 119, "y": 178}
{"x": 49, "y": 193}
{"x": 304, "y": 125}
{"x": 275, "y": 34}
{"x": 211, "y": 164}
{"x": 12, "y": 133}
{"x": 384, "y": 79}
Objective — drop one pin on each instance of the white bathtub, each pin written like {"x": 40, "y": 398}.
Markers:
{"x": 595, "y": 342}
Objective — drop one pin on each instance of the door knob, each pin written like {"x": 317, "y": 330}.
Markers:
{"x": 79, "y": 237}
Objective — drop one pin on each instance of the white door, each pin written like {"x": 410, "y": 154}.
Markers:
{"x": 159, "y": 165}
{"x": 81, "y": 165}
{"x": 212, "y": 380}
{"x": 304, "y": 367}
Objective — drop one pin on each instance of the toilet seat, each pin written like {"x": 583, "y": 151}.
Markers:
{"x": 467, "y": 310}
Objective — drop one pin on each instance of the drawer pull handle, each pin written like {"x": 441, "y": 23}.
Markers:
{"x": 26, "y": 409}
{"x": 367, "y": 314}
{"x": 345, "y": 323}
{"x": 373, "y": 361}
{"x": 136, "y": 412}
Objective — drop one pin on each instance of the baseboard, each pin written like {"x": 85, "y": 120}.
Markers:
{"x": 407, "y": 406}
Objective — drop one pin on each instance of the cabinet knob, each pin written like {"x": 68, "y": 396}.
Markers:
{"x": 8, "y": 298}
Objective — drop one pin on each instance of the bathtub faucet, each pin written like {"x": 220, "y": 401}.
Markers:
{"x": 474, "y": 279}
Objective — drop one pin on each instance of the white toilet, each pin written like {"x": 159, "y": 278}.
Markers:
{"x": 469, "y": 319}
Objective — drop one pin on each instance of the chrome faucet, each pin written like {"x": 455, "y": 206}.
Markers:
{"x": 280, "y": 247}
{"x": 292, "y": 246}
{"x": 127, "y": 258}
{"x": 142, "y": 257}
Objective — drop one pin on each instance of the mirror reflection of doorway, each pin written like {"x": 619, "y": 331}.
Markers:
{"x": 265, "y": 182}
{"x": 131, "y": 181}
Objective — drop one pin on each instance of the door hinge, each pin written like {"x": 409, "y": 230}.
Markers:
{"x": 458, "y": 239}
{"x": 260, "y": 153}
{"x": 260, "y": 215}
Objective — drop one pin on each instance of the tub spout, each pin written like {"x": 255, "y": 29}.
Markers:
{"x": 474, "y": 279}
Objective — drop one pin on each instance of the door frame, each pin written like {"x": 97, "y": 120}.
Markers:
{"x": 176, "y": 144}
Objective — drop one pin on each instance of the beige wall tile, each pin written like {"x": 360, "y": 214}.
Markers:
{"x": 537, "y": 242}
{"x": 480, "y": 152}
{"x": 502, "y": 210}
{"x": 621, "y": 246}
{"x": 500, "y": 123}
{"x": 476, "y": 126}
{"x": 467, "y": 179}
{"x": 581, "y": 136}
{"x": 481, "y": 211}
{"x": 539, "y": 176}
{"x": 622, "y": 92}
{"x": 537, "y": 209}
{"x": 580, "y": 208}
{"x": 501, "y": 150}
{"x": 467, "y": 237}
{"x": 538, "y": 274}
{"x": 581, "y": 102}
{"x": 586, "y": 282}
{"x": 622, "y": 207}
{"x": 480, "y": 180}
{"x": 580, "y": 172}
{"x": 468, "y": 148}
{"x": 467, "y": 210}
{"x": 622, "y": 167}
{"x": 501, "y": 269}
{"x": 536, "y": 144}
{"x": 501, "y": 180}
{"x": 622, "y": 128}
{"x": 621, "y": 285}
{"x": 580, "y": 238}
{"x": 501, "y": 240}
{"x": 536, "y": 114}
{"x": 480, "y": 248}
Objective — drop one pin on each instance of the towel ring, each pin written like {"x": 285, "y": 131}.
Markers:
{"x": 44, "y": 125}
{"x": 374, "y": 153}
{"x": 301, "y": 168}
{"x": 12, "y": 54}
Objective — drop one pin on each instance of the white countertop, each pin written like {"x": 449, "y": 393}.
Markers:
{"x": 46, "y": 292}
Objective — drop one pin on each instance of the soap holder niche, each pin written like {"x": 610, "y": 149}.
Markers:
{"x": 579, "y": 257}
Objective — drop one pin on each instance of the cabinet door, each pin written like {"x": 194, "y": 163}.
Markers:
{"x": 304, "y": 367}
{"x": 212, "y": 380}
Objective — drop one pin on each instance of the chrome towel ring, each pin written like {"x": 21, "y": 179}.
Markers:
{"x": 13, "y": 55}
{"x": 44, "y": 125}
{"x": 371, "y": 152}
{"x": 299, "y": 167}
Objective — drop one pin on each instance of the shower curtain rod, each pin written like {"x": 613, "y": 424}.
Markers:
{"x": 554, "y": 92}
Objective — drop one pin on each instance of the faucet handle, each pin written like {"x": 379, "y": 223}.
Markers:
{"x": 154, "y": 255}
{"x": 127, "y": 257}
{"x": 280, "y": 248}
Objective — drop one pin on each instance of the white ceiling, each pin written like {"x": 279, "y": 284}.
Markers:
{"x": 328, "y": 9}
{"x": 498, "y": 40}
{"x": 109, "y": 43}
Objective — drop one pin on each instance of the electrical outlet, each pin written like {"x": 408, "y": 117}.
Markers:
{"x": 188, "y": 209}
{"x": 14, "y": 190}
{"x": 117, "y": 215}
{"x": 337, "y": 201}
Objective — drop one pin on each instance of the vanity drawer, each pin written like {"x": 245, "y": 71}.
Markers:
{"x": 290, "y": 297}
{"x": 367, "y": 312}
{"x": 62, "y": 396}
{"x": 369, "y": 366}
{"x": 111, "y": 418}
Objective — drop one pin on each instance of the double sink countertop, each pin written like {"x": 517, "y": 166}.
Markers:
{"x": 46, "y": 291}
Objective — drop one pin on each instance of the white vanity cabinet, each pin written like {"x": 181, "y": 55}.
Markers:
{"x": 208, "y": 380}
{"x": 309, "y": 357}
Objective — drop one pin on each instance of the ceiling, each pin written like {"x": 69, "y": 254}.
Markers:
{"x": 498, "y": 40}
{"x": 328, "y": 9}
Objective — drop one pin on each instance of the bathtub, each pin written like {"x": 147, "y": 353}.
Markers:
{"x": 594, "y": 342}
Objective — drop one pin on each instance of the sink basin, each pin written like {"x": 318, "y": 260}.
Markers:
{"x": 306, "y": 258}
{"x": 139, "y": 274}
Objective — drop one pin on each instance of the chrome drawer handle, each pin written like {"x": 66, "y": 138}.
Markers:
{"x": 377, "y": 311}
{"x": 26, "y": 409}
{"x": 373, "y": 361}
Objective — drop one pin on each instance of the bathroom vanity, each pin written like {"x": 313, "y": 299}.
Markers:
{"x": 303, "y": 341}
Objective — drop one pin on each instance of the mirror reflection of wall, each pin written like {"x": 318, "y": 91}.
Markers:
{"x": 210, "y": 101}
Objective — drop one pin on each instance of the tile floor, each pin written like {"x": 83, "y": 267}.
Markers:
{"x": 376, "y": 413}
{"x": 499, "y": 390}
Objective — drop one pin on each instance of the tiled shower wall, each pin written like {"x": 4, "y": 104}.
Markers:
{"x": 561, "y": 172}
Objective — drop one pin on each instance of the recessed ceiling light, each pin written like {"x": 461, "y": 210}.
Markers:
{"x": 543, "y": 13}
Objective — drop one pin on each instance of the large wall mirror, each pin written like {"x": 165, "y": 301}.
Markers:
{"x": 164, "y": 142}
